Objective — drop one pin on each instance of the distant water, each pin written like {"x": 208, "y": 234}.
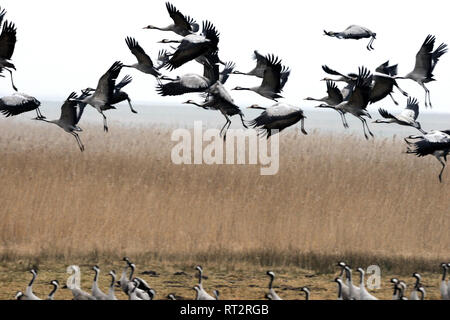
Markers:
{"x": 181, "y": 115}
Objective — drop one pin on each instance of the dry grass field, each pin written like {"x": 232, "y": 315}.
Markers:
{"x": 334, "y": 198}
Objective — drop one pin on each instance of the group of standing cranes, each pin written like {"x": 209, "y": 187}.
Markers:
{"x": 137, "y": 288}
{"x": 201, "y": 45}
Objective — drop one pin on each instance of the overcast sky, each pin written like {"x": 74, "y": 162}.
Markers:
{"x": 67, "y": 45}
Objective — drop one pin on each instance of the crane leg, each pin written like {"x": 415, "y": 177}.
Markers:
{"x": 243, "y": 122}
{"x": 131, "y": 107}
{"x": 442, "y": 170}
{"x": 302, "y": 126}
{"x": 224, "y": 131}
{"x": 369, "y": 46}
{"x": 105, "y": 124}
{"x": 368, "y": 129}
{"x": 12, "y": 81}
{"x": 77, "y": 137}
{"x": 427, "y": 96}
{"x": 390, "y": 95}
{"x": 400, "y": 89}
{"x": 344, "y": 120}
{"x": 39, "y": 114}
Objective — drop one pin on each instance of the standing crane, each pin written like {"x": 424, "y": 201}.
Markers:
{"x": 272, "y": 295}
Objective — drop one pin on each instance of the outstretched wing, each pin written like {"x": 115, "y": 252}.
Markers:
{"x": 182, "y": 21}
{"x": 361, "y": 92}
{"x": 124, "y": 82}
{"x": 210, "y": 32}
{"x": 8, "y": 40}
{"x": 334, "y": 93}
{"x": 17, "y": 104}
{"x": 272, "y": 74}
{"x": 334, "y": 72}
{"x": 106, "y": 84}
{"x": 425, "y": 147}
{"x": 2, "y": 15}
{"x": 385, "y": 68}
{"x": 191, "y": 47}
{"x": 261, "y": 64}
{"x": 69, "y": 110}
{"x": 138, "y": 52}
{"x": 412, "y": 109}
{"x": 227, "y": 70}
{"x": 163, "y": 57}
{"x": 284, "y": 76}
{"x": 186, "y": 84}
{"x": 441, "y": 50}
{"x": 385, "y": 114}
{"x": 423, "y": 57}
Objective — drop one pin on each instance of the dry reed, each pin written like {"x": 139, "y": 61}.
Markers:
{"x": 335, "y": 197}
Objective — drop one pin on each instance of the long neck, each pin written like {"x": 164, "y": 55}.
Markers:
{"x": 96, "y": 276}
{"x": 124, "y": 273}
{"x": 200, "y": 276}
{"x": 132, "y": 272}
{"x": 195, "y": 104}
{"x": 395, "y": 290}
{"x": 314, "y": 99}
{"x": 417, "y": 283}
{"x": 349, "y": 276}
{"x": 444, "y": 274}
{"x": 271, "y": 282}
{"x": 339, "y": 290}
{"x": 384, "y": 121}
{"x": 32, "y": 280}
{"x": 52, "y": 293}
{"x": 422, "y": 294}
{"x": 168, "y": 28}
{"x": 113, "y": 281}
{"x": 307, "y": 295}
{"x": 49, "y": 121}
{"x": 361, "y": 281}
{"x": 350, "y": 284}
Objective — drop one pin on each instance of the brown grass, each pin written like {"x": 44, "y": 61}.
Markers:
{"x": 334, "y": 198}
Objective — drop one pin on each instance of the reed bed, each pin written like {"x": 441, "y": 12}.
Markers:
{"x": 336, "y": 197}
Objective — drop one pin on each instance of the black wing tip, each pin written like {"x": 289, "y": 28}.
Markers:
{"x": 131, "y": 42}
{"x": 412, "y": 101}
{"x": 72, "y": 95}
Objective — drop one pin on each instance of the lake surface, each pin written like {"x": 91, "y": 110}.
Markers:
{"x": 182, "y": 115}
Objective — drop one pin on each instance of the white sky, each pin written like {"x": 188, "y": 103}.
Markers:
{"x": 67, "y": 45}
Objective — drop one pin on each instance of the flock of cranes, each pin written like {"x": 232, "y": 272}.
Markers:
{"x": 202, "y": 46}
{"x": 137, "y": 288}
